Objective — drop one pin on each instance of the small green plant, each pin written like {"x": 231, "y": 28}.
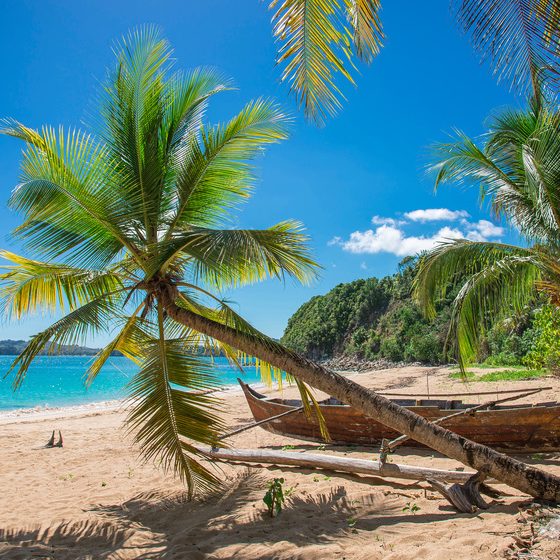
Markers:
{"x": 351, "y": 521}
{"x": 274, "y": 497}
{"x": 130, "y": 472}
{"x": 289, "y": 491}
{"x": 316, "y": 479}
{"x": 327, "y": 477}
{"x": 411, "y": 507}
{"x": 288, "y": 447}
{"x": 537, "y": 456}
{"x": 321, "y": 447}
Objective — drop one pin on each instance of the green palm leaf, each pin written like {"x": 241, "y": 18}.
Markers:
{"x": 164, "y": 413}
{"x": 519, "y": 38}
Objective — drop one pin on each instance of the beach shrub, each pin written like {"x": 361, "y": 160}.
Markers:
{"x": 545, "y": 352}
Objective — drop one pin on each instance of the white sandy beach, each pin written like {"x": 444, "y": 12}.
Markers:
{"x": 95, "y": 498}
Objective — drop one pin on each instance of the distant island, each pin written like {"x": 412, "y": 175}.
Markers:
{"x": 14, "y": 347}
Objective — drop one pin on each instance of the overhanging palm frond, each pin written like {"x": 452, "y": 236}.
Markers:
{"x": 365, "y": 22}
{"x": 520, "y": 39}
{"x": 317, "y": 41}
{"x": 500, "y": 279}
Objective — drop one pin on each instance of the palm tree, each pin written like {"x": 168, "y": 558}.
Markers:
{"x": 129, "y": 227}
{"x": 320, "y": 40}
{"x": 518, "y": 170}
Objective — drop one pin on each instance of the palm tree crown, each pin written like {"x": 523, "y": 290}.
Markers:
{"x": 139, "y": 207}
{"x": 518, "y": 170}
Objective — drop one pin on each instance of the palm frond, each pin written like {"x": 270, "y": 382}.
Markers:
{"x": 215, "y": 174}
{"x": 366, "y": 26}
{"x": 62, "y": 196}
{"x": 440, "y": 269}
{"x": 317, "y": 40}
{"x": 227, "y": 258}
{"x": 500, "y": 280}
{"x": 519, "y": 38}
{"x": 314, "y": 48}
{"x": 168, "y": 407}
{"x": 29, "y": 285}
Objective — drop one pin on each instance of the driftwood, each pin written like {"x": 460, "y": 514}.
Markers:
{"x": 464, "y": 497}
{"x": 51, "y": 442}
{"x": 334, "y": 463}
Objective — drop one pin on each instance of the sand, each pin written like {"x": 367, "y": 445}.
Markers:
{"x": 95, "y": 498}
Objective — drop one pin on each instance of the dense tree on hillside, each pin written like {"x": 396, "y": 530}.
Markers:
{"x": 377, "y": 318}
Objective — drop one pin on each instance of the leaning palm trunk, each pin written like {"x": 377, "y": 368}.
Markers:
{"x": 514, "y": 473}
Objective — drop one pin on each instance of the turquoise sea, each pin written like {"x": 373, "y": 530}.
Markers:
{"x": 55, "y": 381}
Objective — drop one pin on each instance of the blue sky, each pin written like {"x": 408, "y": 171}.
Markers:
{"x": 357, "y": 183}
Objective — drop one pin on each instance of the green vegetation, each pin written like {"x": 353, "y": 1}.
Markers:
{"x": 274, "y": 497}
{"x": 517, "y": 374}
{"x": 411, "y": 507}
{"x": 372, "y": 319}
{"x": 369, "y": 319}
{"x": 502, "y": 283}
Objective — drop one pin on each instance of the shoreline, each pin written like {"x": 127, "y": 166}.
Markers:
{"x": 47, "y": 412}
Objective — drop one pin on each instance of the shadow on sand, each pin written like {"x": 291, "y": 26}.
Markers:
{"x": 156, "y": 525}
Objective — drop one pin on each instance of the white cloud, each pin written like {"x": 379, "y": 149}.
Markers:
{"x": 389, "y": 239}
{"x": 483, "y": 230}
{"x": 363, "y": 265}
{"x": 389, "y": 235}
{"x": 436, "y": 215}
{"x": 382, "y": 221}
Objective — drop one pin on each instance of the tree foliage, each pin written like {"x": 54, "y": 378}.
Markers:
{"x": 137, "y": 208}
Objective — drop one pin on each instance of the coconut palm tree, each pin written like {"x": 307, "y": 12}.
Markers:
{"x": 128, "y": 230}
{"x": 518, "y": 171}
{"x": 320, "y": 40}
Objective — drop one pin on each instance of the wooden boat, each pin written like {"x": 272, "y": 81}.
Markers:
{"x": 521, "y": 428}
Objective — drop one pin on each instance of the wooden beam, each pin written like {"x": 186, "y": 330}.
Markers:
{"x": 334, "y": 463}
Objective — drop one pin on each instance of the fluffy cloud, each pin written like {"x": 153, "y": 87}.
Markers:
{"x": 436, "y": 215}
{"x": 390, "y": 239}
{"x": 381, "y": 221}
{"x": 389, "y": 235}
{"x": 483, "y": 230}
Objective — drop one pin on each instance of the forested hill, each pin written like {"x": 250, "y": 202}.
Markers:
{"x": 15, "y": 347}
{"x": 377, "y": 318}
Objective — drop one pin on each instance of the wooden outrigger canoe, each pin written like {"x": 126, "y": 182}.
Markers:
{"x": 521, "y": 428}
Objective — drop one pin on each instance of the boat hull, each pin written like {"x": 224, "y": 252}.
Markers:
{"x": 512, "y": 429}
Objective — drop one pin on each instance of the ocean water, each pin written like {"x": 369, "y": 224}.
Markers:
{"x": 57, "y": 381}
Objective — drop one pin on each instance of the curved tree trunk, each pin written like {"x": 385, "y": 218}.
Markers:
{"x": 516, "y": 474}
